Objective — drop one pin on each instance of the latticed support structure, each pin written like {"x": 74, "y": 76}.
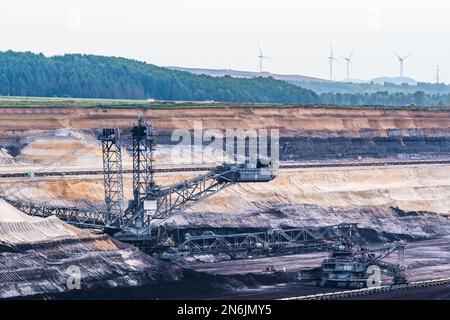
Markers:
{"x": 181, "y": 196}
{"x": 87, "y": 218}
{"x": 143, "y": 172}
{"x": 144, "y": 189}
{"x": 113, "y": 174}
{"x": 296, "y": 240}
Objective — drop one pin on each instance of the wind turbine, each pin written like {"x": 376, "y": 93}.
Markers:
{"x": 261, "y": 58}
{"x": 331, "y": 58}
{"x": 401, "y": 60}
{"x": 438, "y": 78}
{"x": 438, "y": 73}
{"x": 349, "y": 62}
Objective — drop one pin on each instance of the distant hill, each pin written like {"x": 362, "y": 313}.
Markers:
{"x": 382, "y": 84}
{"x": 248, "y": 74}
{"x": 394, "y": 80}
{"x": 90, "y": 76}
{"x": 320, "y": 86}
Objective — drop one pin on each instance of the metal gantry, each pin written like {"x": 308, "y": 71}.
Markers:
{"x": 143, "y": 173}
{"x": 87, "y": 218}
{"x": 180, "y": 196}
{"x": 113, "y": 174}
{"x": 149, "y": 201}
{"x": 295, "y": 240}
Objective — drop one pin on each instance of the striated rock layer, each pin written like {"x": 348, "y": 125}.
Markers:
{"x": 409, "y": 200}
{"x": 310, "y": 121}
{"x": 42, "y": 135}
{"x": 412, "y": 200}
{"x": 40, "y": 255}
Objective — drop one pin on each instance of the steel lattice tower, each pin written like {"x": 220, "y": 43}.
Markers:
{"x": 143, "y": 171}
{"x": 113, "y": 173}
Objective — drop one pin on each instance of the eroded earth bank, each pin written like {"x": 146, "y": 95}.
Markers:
{"x": 410, "y": 202}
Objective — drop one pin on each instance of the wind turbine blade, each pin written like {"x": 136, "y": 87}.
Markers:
{"x": 407, "y": 56}
{"x": 396, "y": 54}
{"x": 351, "y": 54}
{"x": 260, "y": 51}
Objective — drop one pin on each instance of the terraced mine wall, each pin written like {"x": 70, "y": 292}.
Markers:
{"x": 306, "y": 133}
{"x": 47, "y": 256}
{"x": 405, "y": 202}
{"x": 305, "y": 148}
{"x": 310, "y": 148}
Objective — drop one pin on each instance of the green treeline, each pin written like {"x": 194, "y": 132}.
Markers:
{"x": 90, "y": 76}
{"x": 385, "y": 98}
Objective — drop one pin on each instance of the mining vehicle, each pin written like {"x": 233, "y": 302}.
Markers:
{"x": 351, "y": 267}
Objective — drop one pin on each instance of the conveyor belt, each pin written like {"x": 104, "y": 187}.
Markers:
{"x": 197, "y": 169}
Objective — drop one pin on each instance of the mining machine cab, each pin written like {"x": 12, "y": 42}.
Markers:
{"x": 248, "y": 172}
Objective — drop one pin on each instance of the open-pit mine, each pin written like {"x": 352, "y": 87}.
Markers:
{"x": 93, "y": 203}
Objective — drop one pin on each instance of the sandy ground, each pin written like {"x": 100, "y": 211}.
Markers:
{"x": 410, "y": 188}
{"x": 289, "y": 263}
{"x": 425, "y": 260}
{"x": 82, "y": 191}
{"x": 72, "y": 150}
{"x": 17, "y": 228}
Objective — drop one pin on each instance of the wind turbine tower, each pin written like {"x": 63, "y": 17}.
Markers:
{"x": 402, "y": 60}
{"x": 331, "y": 58}
{"x": 261, "y": 57}
{"x": 348, "y": 60}
{"x": 438, "y": 73}
{"x": 438, "y": 79}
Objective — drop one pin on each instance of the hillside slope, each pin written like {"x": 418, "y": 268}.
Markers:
{"x": 90, "y": 76}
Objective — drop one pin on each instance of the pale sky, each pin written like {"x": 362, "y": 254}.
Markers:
{"x": 296, "y": 34}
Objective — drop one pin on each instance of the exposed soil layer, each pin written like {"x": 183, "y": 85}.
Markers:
{"x": 409, "y": 202}
{"x": 32, "y": 135}
{"x": 47, "y": 256}
{"x": 308, "y": 121}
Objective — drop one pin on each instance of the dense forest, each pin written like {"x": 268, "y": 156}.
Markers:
{"x": 385, "y": 98}
{"x": 90, "y": 76}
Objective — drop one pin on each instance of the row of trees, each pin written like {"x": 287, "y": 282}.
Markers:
{"x": 89, "y": 76}
{"x": 371, "y": 87}
{"x": 418, "y": 98}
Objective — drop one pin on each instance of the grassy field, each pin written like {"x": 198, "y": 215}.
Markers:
{"x": 41, "y": 102}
